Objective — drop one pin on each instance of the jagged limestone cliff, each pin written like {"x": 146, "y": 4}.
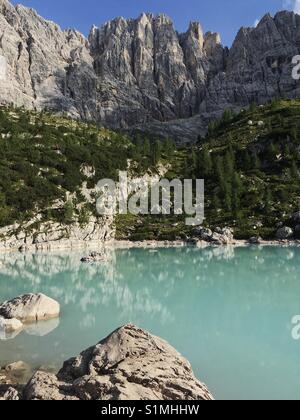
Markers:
{"x": 141, "y": 73}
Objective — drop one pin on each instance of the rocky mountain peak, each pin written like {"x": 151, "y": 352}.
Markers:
{"x": 195, "y": 31}
{"x": 212, "y": 41}
{"x": 141, "y": 73}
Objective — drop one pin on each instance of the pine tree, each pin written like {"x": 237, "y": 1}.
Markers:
{"x": 69, "y": 212}
{"x": 227, "y": 116}
{"x": 219, "y": 169}
{"x": 229, "y": 163}
{"x": 268, "y": 200}
{"x": 216, "y": 203}
{"x": 272, "y": 152}
{"x": 256, "y": 164}
{"x": 287, "y": 151}
{"x": 169, "y": 147}
{"x": 192, "y": 163}
{"x": 205, "y": 163}
{"x": 146, "y": 147}
{"x": 212, "y": 127}
{"x": 156, "y": 152}
{"x": 283, "y": 196}
{"x": 246, "y": 160}
{"x": 294, "y": 170}
{"x": 269, "y": 125}
{"x": 228, "y": 196}
{"x": 253, "y": 107}
{"x": 294, "y": 134}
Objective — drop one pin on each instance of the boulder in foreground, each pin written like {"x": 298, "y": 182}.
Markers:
{"x": 30, "y": 308}
{"x": 130, "y": 364}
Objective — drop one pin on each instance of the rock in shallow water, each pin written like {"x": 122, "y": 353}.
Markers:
{"x": 95, "y": 257}
{"x": 130, "y": 364}
{"x": 9, "y": 326}
{"x": 19, "y": 372}
{"x": 30, "y": 308}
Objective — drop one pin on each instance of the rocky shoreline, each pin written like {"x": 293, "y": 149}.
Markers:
{"x": 126, "y": 244}
{"x": 130, "y": 364}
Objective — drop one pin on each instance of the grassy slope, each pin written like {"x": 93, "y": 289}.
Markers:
{"x": 265, "y": 158}
{"x": 41, "y": 157}
{"x": 269, "y": 173}
{"x": 41, "y": 163}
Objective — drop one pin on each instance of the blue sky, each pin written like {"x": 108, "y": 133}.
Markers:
{"x": 224, "y": 16}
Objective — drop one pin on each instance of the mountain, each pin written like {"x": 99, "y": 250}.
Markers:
{"x": 141, "y": 73}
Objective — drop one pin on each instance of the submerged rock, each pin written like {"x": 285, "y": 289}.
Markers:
{"x": 95, "y": 257}
{"x": 9, "y": 327}
{"x": 30, "y": 308}
{"x": 19, "y": 372}
{"x": 130, "y": 364}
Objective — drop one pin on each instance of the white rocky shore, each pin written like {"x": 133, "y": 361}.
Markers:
{"x": 100, "y": 232}
{"x": 54, "y": 236}
{"x": 130, "y": 364}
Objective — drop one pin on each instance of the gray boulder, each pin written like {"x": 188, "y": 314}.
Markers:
{"x": 224, "y": 237}
{"x": 30, "y": 308}
{"x": 130, "y": 364}
{"x": 255, "y": 240}
{"x": 296, "y": 217}
{"x": 9, "y": 393}
{"x": 284, "y": 233}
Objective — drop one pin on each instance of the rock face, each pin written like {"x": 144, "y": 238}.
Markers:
{"x": 140, "y": 73}
{"x": 130, "y": 364}
{"x": 30, "y": 308}
{"x": 51, "y": 235}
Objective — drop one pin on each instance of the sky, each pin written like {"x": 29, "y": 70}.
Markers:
{"x": 223, "y": 16}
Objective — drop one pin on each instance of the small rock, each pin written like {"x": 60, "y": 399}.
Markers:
{"x": 255, "y": 240}
{"x": 192, "y": 241}
{"x": 94, "y": 257}
{"x": 206, "y": 234}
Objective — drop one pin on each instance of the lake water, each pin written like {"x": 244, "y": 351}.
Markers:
{"x": 227, "y": 310}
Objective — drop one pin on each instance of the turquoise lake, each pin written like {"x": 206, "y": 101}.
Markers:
{"x": 227, "y": 310}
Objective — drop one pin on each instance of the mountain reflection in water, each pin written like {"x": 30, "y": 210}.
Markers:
{"x": 228, "y": 310}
